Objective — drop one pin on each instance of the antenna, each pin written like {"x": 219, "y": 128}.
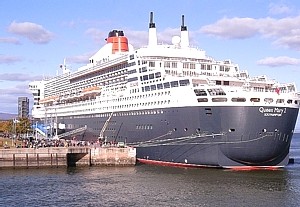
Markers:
{"x": 184, "y": 34}
{"x": 152, "y": 39}
{"x": 151, "y": 24}
{"x": 183, "y": 28}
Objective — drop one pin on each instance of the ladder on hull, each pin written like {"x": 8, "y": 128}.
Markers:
{"x": 101, "y": 135}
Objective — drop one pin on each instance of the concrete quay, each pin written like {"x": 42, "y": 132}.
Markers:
{"x": 67, "y": 156}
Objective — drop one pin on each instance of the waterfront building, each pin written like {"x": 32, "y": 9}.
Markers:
{"x": 23, "y": 107}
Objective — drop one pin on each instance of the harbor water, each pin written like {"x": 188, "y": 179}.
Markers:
{"x": 146, "y": 185}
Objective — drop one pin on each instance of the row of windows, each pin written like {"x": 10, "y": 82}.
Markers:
{"x": 225, "y": 83}
{"x": 144, "y": 126}
{"x": 166, "y": 85}
{"x": 239, "y": 99}
{"x": 92, "y": 79}
{"x": 188, "y": 65}
{"x": 211, "y": 91}
{"x": 150, "y": 76}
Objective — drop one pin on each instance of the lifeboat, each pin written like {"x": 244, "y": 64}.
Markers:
{"x": 49, "y": 99}
{"x": 91, "y": 91}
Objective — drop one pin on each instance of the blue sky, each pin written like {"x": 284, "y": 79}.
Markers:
{"x": 262, "y": 36}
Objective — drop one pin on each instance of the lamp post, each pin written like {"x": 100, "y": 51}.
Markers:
{"x": 36, "y": 131}
{"x": 14, "y": 132}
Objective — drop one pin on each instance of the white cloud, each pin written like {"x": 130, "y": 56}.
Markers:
{"x": 34, "y": 32}
{"x": 278, "y": 61}
{"x": 19, "y": 77}
{"x": 279, "y": 9}
{"x": 97, "y": 35}
{"x": 9, "y": 97}
{"x": 11, "y": 40}
{"x": 81, "y": 59}
{"x": 284, "y": 32}
{"x": 235, "y": 28}
{"x": 7, "y": 59}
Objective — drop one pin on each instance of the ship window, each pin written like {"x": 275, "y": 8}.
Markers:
{"x": 174, "y": 84}
{"x": 280, "y": 101}
{"x": 238, "y": 99}
{"x": 202, "y": 100}
{"x": 144, "y": 69}
{"x": 167, "y": 85}
{"x": 133, "y": 79}
{"x": 151, "y": 64}
{"x": 184, "y": 82}
{"x": 160, "y": 86}
{"x": 289, "y": 101}
{"x": 153, "y": 87}
{"x": 268, "y": 100}
{"x": 157, "y": 75}
{"x": 131, "y": 57}
{"x": 216, "y": 92}
{"x": 147, "y": 88}
{"x": 145, "y": 77}
{"x": 255, "y": 99}
{"x": 167, "y": 64}
{"x": 174, "y": 65}
{"x": 219, "y": 99}
{"x": 226, "y": 83}
{"x": 186, "y": 65}
{"x": 132, "y": 71}
{"x": 200, "y": 92}
{"x": 218, "y": 82}
{"x": 151, "y": 76}
{"x": 192, "y": 66}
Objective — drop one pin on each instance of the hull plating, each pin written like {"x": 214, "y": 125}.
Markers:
{"x": 210, "y": 136}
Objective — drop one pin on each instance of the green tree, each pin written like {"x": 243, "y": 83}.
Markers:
{"x": 23, "y": 126}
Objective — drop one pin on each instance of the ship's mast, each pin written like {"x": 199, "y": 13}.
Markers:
{"x": 184, "y": 34}
{"x": 152, "y": 41}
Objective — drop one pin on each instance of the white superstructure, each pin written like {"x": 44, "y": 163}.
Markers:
{"x": 121, "y": 79}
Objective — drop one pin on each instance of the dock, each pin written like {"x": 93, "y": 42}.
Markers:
{"x": 67, "y": 156}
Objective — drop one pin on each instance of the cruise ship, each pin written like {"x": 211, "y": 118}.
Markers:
{"x": 173, "y": 103}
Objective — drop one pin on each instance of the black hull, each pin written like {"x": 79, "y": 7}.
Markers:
{"x": 224, "y": 136}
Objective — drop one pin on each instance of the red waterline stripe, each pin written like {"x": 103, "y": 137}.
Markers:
{"x": 174, "y": 164}
{"x": 185, "y": 165}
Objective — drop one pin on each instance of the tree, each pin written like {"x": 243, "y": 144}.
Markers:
{"x": 23, "y": 126}
{"x": 5, "y": 127}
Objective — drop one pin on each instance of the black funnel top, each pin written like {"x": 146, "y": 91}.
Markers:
{"x": 151, "y": 24}
{"x": 115, "y": 33}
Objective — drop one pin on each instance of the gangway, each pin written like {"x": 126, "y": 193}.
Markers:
{"x": 40, "y": 132}
{"x": 101, "y": 135}
{"x": 75, "y": 131}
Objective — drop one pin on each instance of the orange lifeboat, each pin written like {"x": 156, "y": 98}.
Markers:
{"x": 49, "y": 99}
{"x": 118, "y": 40}
{"x": 91, "y": 90}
